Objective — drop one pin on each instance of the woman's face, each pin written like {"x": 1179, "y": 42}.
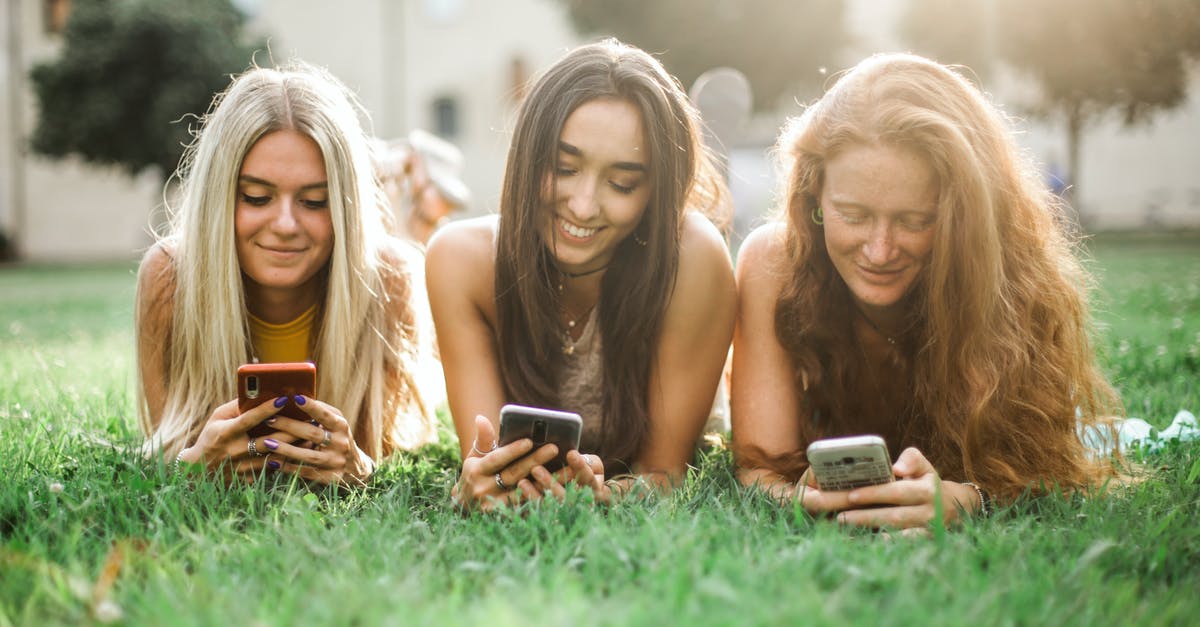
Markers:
{"x": 880, "y": 206}
{"x": 281, "y": 217}
{"x": 601, "y": 184}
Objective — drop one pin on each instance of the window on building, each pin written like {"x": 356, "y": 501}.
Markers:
{"x": 54, "y": 15}
{"x": 446, "y": 123}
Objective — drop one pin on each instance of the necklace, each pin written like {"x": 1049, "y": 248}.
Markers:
{"x": 568, "y": 347}
{"x": 863, "y": 314}
{"x": 576, "y": 275}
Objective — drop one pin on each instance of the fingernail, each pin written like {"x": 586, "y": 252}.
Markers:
{"x": 271, "y": 420}
{"x": 299, "y": 400}
{"x": 272, "y": 464}
{"x": 281, "y": 401}
{"x": 314, "y": 423}
{"x": 271, "y": 443}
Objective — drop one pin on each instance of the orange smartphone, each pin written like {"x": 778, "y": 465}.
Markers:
{"x": 259, "y": 383}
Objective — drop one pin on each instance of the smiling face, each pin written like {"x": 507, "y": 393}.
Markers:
{"x": 880, "y": 207}
{"x": 601, "y": 184}
{"x": 281, "y": 218}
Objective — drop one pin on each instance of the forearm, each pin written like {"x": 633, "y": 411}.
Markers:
{"x": 771, "y": 482}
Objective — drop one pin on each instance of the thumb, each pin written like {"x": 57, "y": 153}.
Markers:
{"x": 912, "y": 463}
{"x": 485, "y": 436}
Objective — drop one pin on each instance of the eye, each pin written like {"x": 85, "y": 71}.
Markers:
{"x": 917, "y": 223}
{"x": 623, "y": 189}
{"x": 564, "y": 170}
{"x": 851, "y": 217}
{"x": 315, "y": 203}
{"x": 257, "y": 201}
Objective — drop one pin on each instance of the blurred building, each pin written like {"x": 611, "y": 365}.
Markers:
{"x": 457, "y": 68}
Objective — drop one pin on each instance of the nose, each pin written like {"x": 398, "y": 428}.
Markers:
{"x": 285, "y": 216}
{"x": 880, "y": 247}
{"x": 581, "y": 198}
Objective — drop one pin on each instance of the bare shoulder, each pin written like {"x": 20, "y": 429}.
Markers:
{"x": 762, "y": 258}
{"x": 462, "y": 251}
{"x": 702, "y": 248}
{"x": 156, "y": 276}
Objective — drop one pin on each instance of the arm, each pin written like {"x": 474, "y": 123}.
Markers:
{"x": 153, "y": 316}
{"x": 459, "y": 270}
{"x": 691, "y": 352}
{"x": 765, "y": 408}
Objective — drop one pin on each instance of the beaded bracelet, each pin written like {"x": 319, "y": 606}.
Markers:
{"x": 178, "y": 461}
{"x": 985, "y": 499}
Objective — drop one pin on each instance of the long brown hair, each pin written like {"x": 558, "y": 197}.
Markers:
{"x": 996, "y": 350}
{"x": 638, "y": 283}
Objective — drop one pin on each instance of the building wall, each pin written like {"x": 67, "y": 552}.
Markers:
{"x": 64, "y": 210}
{"x": 402, "y": 55}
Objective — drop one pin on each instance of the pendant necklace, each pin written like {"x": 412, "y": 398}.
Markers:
{"x": 890, "y": 339}
{"x": 568, "y": 347}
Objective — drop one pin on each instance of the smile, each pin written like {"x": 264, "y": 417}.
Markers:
{"x": 576, "y": 232}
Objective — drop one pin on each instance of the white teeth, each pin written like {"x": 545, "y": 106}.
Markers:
{"x": 576, "y": 231}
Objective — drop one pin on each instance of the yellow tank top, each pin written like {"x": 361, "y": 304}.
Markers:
{"x": 277, "y": 343}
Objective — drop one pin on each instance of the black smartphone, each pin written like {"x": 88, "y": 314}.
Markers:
{"x": 543, "y": 426}
{"x": 258, "y": 383}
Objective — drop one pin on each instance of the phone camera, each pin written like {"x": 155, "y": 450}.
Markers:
{"x": 539, "y": 430}
{"x": 848, "y": 460}
{"x": 251, "y": 386}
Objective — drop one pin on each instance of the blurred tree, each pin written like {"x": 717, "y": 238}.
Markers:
{"x": 782, "y": 46}
{"x": 1089, "y": 57}
{"x": 128, "y": 74}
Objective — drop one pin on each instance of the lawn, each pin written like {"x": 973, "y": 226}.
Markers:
{"x": 91, "y": 532}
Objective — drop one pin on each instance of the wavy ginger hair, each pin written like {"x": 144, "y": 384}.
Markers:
{"x": 363, "y": 342}
{"x": 997, "y": 347}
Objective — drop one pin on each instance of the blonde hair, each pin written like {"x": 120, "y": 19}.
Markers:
{"x": 364, "y": 341}
{"x": 997, "y": 347}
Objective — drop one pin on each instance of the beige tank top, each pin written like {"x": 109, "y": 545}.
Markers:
{"x": 579, "y": 389}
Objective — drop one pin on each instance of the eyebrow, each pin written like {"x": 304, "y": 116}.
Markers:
{"x": 246, "y": 178}
{"x": 631, "y": 166}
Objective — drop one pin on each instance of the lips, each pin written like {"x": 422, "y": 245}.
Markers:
{"x": 880, "y": 276}
{"x": 573, "y": 231}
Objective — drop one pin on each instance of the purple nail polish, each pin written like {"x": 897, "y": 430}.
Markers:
{"x": 271, "y": 443}
{"x": 299, "y": 400}
{"x": 272, "y": 464}
{"x": 281, "y": 401}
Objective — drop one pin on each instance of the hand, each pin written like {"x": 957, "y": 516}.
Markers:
{"x": 585, "y": 471}
{"x": 909, "y": 502}
{"x": 477, "y": 484}
{"x": 223, "y": 440}
{"x": 333, "y": 457}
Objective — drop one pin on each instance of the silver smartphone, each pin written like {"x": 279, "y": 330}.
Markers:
{"x": 851, "y": 462}
{"x": 543, "y": 426}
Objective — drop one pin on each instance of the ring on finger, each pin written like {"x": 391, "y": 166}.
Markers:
{"x": 252, "y": 448}
{"x": 500, "y": 483}
{"x": 475, "y": 447}
{"x": 328, "y": 438}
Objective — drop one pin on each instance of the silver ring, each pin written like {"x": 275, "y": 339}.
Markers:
{"x": 325, "y": 442}
{"x": 500, "y": 483}
{"x": 475, "y": 448}
{"x": 253, "y": 449}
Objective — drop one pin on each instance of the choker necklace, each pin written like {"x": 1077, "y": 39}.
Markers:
{"x": 890, "y": 339}
{"x": 576, "y": 275}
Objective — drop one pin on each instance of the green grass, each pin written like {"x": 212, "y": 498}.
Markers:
{"x": 88, "y": 531}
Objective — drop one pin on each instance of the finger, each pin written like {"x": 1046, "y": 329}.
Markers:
{"x": 584, "y": 475}
{"x": 816, "y": 501}
{"x": 547, "y": 483}
{"x": 326, "y": 415}
{"x": 502, "y": 457}
{"x": 528, "y": 490}
{"x": 255, "y": 415}
{"x": 808, "y": 479}
{"x": 512, "y": 473}
{"x": 902, "y": 517}
{"x": 295, "y": 431}
{"x": 290, "y": 453}
{"x": 912, "y": 463}
{"x": 485, "y": 437}
{"x": 901, "y": 492}
{"x": 227, "y": 411}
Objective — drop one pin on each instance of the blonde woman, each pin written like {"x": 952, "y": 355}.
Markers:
{"x": 277, "y": 251}
{"x": 918, "y": 286}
